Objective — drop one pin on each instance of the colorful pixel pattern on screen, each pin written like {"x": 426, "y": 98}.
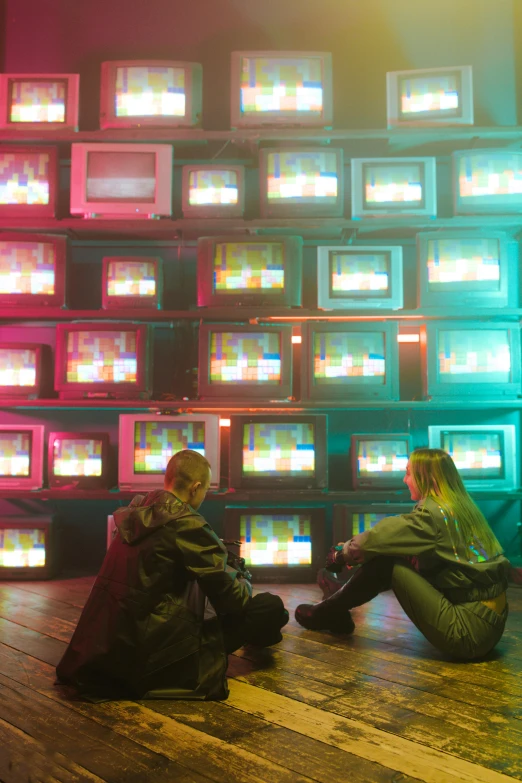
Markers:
{"x": 429, "y": 93}
{"x": 149, "y": 91}
{"x": 475, "y": 454}
{"x": 77, "y": 457}
{"x": 38, "y": 101}
{"x": 466, "y": 352}
{"x": 385, "y": 457}
{"x": 17, "y": 367}
{"x": 131, "y": 278}
{"x": 27, "y": 267}
{"x": 283, "y": 85}
{"x": 24, "y": 178}
{"x": 362, "y": 521}
{"x": 392, "y": 183}
{"x": 364, "y": 272}
{"x": 271, "y": 449}
{"x": 245, "y": 357}
{"x": 15, "y": 453}
{"x": 101, "y": 357}
{"x": 463, "y": 260}
{"x": 275, "y": 539}
{"x": 156, "y": 442}
{"x": 342, "y": 356}
{"x": 484, "y": 175}
{"x": 248, "y": 266}
{"x": 21, "y": 548}
{"x": 213, "y": 186}
{"x": 305, "y": 177}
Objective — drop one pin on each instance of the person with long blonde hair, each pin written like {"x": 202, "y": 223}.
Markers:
{"x": 442, "y": 560}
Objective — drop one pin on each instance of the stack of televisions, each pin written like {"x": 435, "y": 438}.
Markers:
{"x": 348, "y": 361}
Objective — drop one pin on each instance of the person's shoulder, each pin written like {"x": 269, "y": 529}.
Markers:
{"x": 169, "y": 504}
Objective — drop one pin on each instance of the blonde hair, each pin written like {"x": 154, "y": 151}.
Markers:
{"x": 184, "y": 468}
{"x": 436, "y": 477}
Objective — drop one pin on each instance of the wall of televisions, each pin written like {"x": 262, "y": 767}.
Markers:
{"x": 304, "y": 369}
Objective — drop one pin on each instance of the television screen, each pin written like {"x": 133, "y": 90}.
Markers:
{"x": 487, "y": 181}
{"x": 28, "y": 181}
{"x": 39, "y": 101}
{"x": 132, "y": 180}
{"x": 132, "y": 281}
{"x": 27, "y": 547}
{"x": 350, "y": 520}
{"x": 245, "y": 361}
{"x": 213, "y": 190}
{"x": 435, "y": 96}
{"x": 394, "y": 187}
{"x": 485, "y": 455}
{"x": 148, "y": 441}
{"x": 21, "y": 456}
{"x": 281, "y": 88}
{"x": 259, "y": 271}
{"x": 301, "y": 182}
{"x": 379, "y": 460}
{"x": 21, "y": 367}
{"x": 79, "y": 460}
{"x": 153, "y": 93}
{"x": 32, "y": 270}
{"x": 284, "y": 451}
{"x": 359, "y": 278}
{"x": 350, "y": 361}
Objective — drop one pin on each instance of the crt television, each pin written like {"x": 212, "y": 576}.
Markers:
{"x": 213, "y": 190}
{"x": 394, "y": 187}
{"x": 258, "y": 271}
{"x": 245, "y": 361}
{"x": 121, "y": 180}
{"x": 24, "y": 370}
{"x": 148, "y": 441}
{"x": 359, "y": 277}
{"x": 21, "y": 456}
{"x": 132, "y": 281}
{"x": 432, "y": 96}
{"x": 379, "y": 459}
{"x": 281, "y": 88}
{"x": 487, "y": 181}
{"x": 350, "y": 361}
{"x": 39, "y": 101}
{"x": 32, "y": 270}
{"x": 278, "y": 451}
{"x": 28, "y": 181}
{"x": 150, "y": 93}
{"x": 279, "y": 544}
{"x": 28, "y": 547}
{"x": 78, "y": 460}
{"x": 350, "y": 520}
{"x": 484, "y": 454}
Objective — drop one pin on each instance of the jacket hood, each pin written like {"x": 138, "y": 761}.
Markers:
{"x": 147, "y": 513}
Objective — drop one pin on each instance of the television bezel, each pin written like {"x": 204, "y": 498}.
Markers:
{"x": 35, "y": 479}
{"x": 71, "y": 104}
{"x": 511, "y": 439}
{"x": 342, "y": 527}
{"x": 79, "y": 482}
{"x": 35, "y": 522}
{"x": 389, "y": 390}
{"x": 28, "y": 392}
{"x": 296, "y": 210}
{"x": 58, "y": 298}
{"x": 434, "y": 388}
{"x": 376, "y": 483}
{"x": 142, "y": 389}
{"x": 117, "y": 302}
{"x": 273, "y": 119}
{"x": 34, "y": 210}
{"x": 429, "y": 210}
{"x": 393, "y": 96}
{"x": 504, "y": 297}
{"x": 162, "y": 204}
{"x": 326, "y": 300}
{"x": 319, "y": 482}
{"x": 459, "y": 207}
{"x": 128, "y": 480}
{"x": 289, "y": 296}
{"x": 193, "y": 95}
{"x": 212, "y": 210}
{"x": 280, "y": 573}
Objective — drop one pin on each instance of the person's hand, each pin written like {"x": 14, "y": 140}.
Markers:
{"x": 335, "y": 559}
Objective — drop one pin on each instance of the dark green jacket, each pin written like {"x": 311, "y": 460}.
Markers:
{"x": 147, "y": 629}
{"x": 424, "y": 534}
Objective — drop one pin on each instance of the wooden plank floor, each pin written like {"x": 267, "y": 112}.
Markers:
{"x": 380, "y": 706}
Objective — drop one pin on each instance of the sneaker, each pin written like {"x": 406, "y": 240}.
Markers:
{"x": 311, "y": 617}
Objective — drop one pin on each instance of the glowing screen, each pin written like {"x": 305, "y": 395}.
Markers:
{"x": 101, "y": 357}
{"x": 484, "y": 178}
{"x": 156, "y": 442}
{"x": 363, "y": 521}
{"x": 302, "y": 177}
{"x": 287, "y": 86}
{"x": 149, "y": 91}
{"x": 359, "y": 273}
{"x": 249, "y": 266}
{"x": 24, "y": 177}
{"x": 430, "y": 93}
{"x": 349, "y": 357}
{"x": 474, "y": 353}
{"x": 131, "y": 278}
{"x": 275, "y": 539}
{"x": 121, "y": 176}
{"x": 27, "y": 267}
{"x": 77, "y": 457}
{"x": 213, "y": 186}
{"x": 22, "y": 548}
{"x": 17, "y": 367}
{"x": 38, "y": 100}
{"x": 245, "y": 357}
{"x": 271, "y": 449}
{"x": 470, "y": 264}
{"x": 476, "y": 454}
{"x": 15, "y": 453}
{"x": 382, "y": 458}
{"x": 393, "y": 183}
